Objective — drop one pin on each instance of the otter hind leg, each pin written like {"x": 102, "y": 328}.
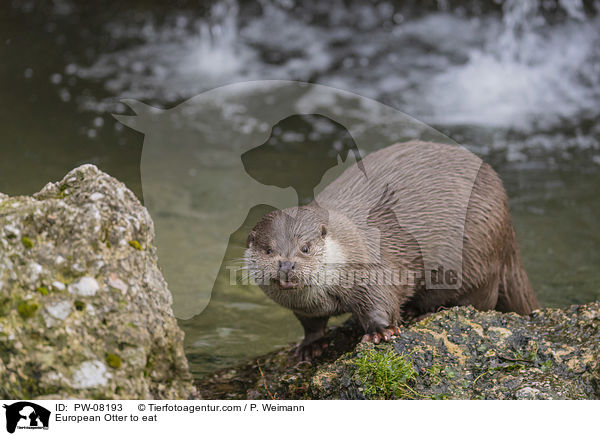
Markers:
{"x": 483, "y": 296}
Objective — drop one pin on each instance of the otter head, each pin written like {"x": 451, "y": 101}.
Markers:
{"x": 286, "y": 247}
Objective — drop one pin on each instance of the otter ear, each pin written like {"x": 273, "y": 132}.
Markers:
{"x": 250, "y": 239}
{"x": 323, "y": 231}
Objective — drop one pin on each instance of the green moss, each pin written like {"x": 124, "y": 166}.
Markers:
{"x": 27, "y": 242}
{"x": 108, "y": 244}
{"x": 501, "y": 368}
{"x": 27, "y": 309}
{"x": 62, "y": 192}
{"x": 135, "y": 244}
{"x": 149, "y": 366}
{"x": 113, "y": 360}
{"x": 509, "y": 367}
{"x": 42, "y": 290}
{"x": 435, "y": 374}
{"x": 28, "y": 386}
{"x": 5, "y": 306}
{"x": 385, "y": 375}
{"x": 64, "y": 276}
{"x": 7, "y": 349}
{"x": 533, "y": 353}
{"x": 449, "y": 372}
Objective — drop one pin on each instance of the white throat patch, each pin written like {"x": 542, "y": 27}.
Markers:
{"x": 333, "y": 253}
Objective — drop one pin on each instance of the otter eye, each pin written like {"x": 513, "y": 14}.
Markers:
{"x": 269, "y": 251}
{"x": 304, "y": 248}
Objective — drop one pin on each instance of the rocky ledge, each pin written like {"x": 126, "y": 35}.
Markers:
{"x": 459, "y": 353}
{"x": 84, "y": 309}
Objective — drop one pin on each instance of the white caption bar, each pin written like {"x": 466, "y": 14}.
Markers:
{"x": 77, "y": 417}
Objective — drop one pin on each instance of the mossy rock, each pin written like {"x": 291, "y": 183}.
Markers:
{"x": 459, "y": 353}
{"x": 60, "y": 322}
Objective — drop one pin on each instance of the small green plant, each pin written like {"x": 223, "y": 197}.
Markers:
{"x": 27, "y": 242}
{"x": 42, "y": 290}
{"x": 449, "y": 372}
{"x": 27, "y": 309}
{"x": 62, "y": 192}
{"x": 113, "y": 360}
{"x": 135, "y": 244}
{"x": 149, "y": 366}
{"x": 435, "y": 374}
{"x": 386, "y": 374}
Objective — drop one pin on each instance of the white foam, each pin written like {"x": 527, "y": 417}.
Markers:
{"x": 542, "y": 82}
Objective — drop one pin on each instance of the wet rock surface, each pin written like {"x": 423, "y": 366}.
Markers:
{"x": 84, "y": 309}
{"x": 459, "y": 353}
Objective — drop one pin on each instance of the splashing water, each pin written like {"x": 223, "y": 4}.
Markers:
{"x": 519, "y": 71}
{"x": 530, "y": 76}
{"x": 215, "y": 51}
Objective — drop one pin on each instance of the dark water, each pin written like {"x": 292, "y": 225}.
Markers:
{"x": 518, "y": 83}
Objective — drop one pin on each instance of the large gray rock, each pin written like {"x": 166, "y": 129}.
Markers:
{"x": 84, "y": 309}
{"x": 458, "y": 353}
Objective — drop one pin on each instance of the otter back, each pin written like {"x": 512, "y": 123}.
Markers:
{"x": 434, "y": 210}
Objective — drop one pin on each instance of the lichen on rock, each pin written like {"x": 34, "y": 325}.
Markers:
{"x": 82, "y": 313}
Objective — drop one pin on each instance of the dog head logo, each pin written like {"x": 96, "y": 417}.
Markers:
{"x": 26, "y": 415}
{"x": 209, "y": 161}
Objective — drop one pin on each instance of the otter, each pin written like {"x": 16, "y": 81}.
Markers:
{"x": 418, "y": 204}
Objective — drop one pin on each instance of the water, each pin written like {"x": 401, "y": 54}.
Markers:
{"x": 517, "y": 82}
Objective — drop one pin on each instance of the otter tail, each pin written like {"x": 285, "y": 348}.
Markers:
{"x": 515, "y": 291}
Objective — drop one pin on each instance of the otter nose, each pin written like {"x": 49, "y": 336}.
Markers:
{"x": 286, "y": 266}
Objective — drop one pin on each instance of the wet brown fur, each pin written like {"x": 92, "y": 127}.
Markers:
{"x": 492, "y": 273}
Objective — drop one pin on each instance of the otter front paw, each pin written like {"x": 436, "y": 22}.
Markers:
{"x": 312, "y": 350}
{"x": 381, "y": 335}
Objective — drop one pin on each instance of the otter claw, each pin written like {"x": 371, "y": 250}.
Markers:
{"x": 308, "y": 352}
{"x": 384, "y": 335}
